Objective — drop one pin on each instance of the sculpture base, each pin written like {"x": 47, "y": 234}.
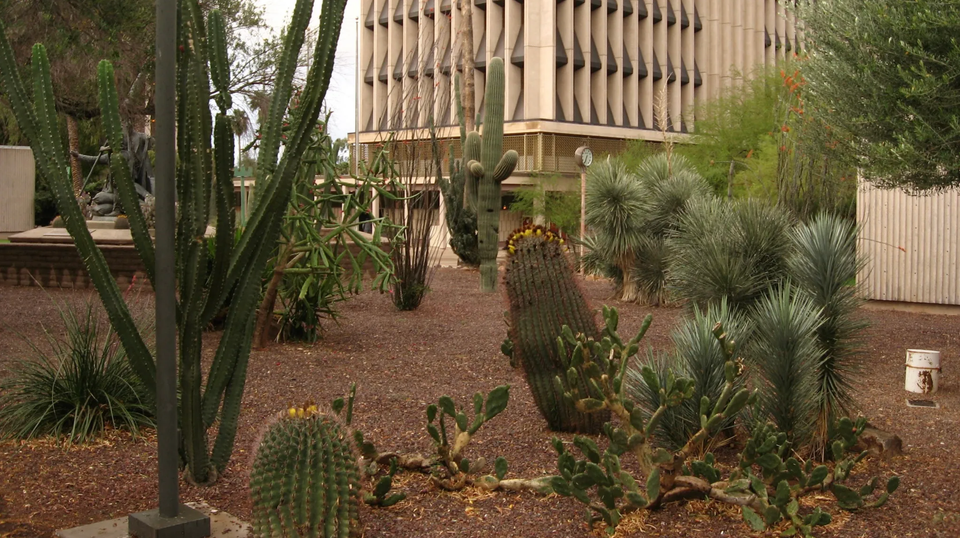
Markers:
{"x": 189, "y": 523}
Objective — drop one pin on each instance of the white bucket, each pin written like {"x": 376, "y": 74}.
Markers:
{"x": 923, "y": 371}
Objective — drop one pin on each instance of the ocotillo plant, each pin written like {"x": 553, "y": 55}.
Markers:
{"x": 485, "y": 175}
{"x": 544, "y": 297}
{"x": 204, "y": 171}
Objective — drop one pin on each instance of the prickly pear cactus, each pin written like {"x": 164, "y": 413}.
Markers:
{"x": 543, "y": 298}
{"x": 305, "y": 478}
{"x": 487, "y": 167}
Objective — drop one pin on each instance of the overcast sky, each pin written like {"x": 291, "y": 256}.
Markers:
{"x": 341, "y": 97}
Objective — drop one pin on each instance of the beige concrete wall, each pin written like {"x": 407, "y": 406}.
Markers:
{"x": 911, "y": 245}
{"x": 17, "y": 177}
{"x": 709, "y": 38}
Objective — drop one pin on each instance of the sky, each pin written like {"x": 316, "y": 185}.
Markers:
{"x": 341, "y": 96}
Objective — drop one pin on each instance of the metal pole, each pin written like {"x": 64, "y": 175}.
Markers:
{"x": 583, "y": 212}
{"x": 356, "y": 130}
{"x": 165, "y": 265}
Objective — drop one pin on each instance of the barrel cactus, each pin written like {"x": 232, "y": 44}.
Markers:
{"x": 544, "y": 297}
{"x": 305, "y": 479}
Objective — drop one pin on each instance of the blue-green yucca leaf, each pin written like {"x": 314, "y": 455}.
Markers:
{"x": 784, "y": 353}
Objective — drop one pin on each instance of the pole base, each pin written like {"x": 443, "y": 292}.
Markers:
{"x": 189, "y": 523}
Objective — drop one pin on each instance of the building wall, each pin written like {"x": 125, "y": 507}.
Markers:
{"x": 574, "y": 67}
{"x": 17, "y": 177}
{"x": 911, "y": 245}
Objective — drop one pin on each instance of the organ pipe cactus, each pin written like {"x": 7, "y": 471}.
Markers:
{"x": 205, "y": 156}
{"x": 486, "y": 168}
{"x": 305, "y": 479}
{"x": 544, "y": 297}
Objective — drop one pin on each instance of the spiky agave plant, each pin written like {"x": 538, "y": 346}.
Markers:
{"x": 824, "y": 265}
{"x": 205, "y": 155}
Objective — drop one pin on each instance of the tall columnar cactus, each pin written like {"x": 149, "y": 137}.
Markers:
{"x": 305, "y": 479}
{"x": 485, "y": 175}
{"x": 205, "y": 155}
{"x": 543, "y": 298}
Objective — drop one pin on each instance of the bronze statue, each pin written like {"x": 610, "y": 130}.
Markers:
{"x": 135, "y": 151}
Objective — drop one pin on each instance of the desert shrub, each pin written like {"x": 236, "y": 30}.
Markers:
{"x": 84, "y": 385}
{"x": 733, "y": 251}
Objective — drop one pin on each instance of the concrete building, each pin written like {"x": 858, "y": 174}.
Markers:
{"x": 577, "y": 71}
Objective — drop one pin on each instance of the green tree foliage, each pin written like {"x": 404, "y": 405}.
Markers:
{"x": 550, "y": 201}
{"x": 887, "y": 75}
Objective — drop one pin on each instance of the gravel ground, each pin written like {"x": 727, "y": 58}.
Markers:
{"x": 402, "y": 361}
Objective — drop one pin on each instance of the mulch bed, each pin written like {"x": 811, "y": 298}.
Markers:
{"x": 402, "y": 361}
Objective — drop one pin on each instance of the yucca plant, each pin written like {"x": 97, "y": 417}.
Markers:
{"x": 614, "y": 211}
{"x": 824, "y": 265}
{"x": 697, "y": 355}
{"x": 82, "y": 386}
{"x": 734, "y": 251}
{"x": 204, "y": 181}
{"x": 785, "y": 356}
{"x": 631, "y": 215}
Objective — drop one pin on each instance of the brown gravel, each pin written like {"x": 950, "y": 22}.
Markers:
{"x": 402, "y": 361}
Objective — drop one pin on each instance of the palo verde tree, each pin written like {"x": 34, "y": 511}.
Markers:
{"x": 204, "y": 179}
{"x": 886, "y": 74}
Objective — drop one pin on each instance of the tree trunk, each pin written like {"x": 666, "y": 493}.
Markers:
{"x": 73, "y": 138}
{"x": 469, "y": 64}
{"x": 730, "y": 179}
{"x": 265, "y": 312}
{"x": 630, "y": 293}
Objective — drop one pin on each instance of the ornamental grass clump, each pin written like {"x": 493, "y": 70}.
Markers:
{"x": 81, "y": 387}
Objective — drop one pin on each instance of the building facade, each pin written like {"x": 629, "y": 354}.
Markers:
{"x": 577, "y": 71}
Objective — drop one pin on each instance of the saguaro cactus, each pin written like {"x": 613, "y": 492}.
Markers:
{"x": 205, "y": 154}
{"x": 543, "y": 298}
{"x": 485, "y": 175}
{"x": 305, "y": 480}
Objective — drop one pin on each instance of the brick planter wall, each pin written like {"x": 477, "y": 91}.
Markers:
{"x": 59, "y": 265}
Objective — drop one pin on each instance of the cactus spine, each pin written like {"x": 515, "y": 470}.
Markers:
{"x": 485, "y": 176}
{"x": 305, "y": 480}
{"x": 205, "y": 155}
{"x": 543, "y": 298}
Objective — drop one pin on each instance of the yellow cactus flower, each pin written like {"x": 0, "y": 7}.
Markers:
{"x": 512, "y": 249}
